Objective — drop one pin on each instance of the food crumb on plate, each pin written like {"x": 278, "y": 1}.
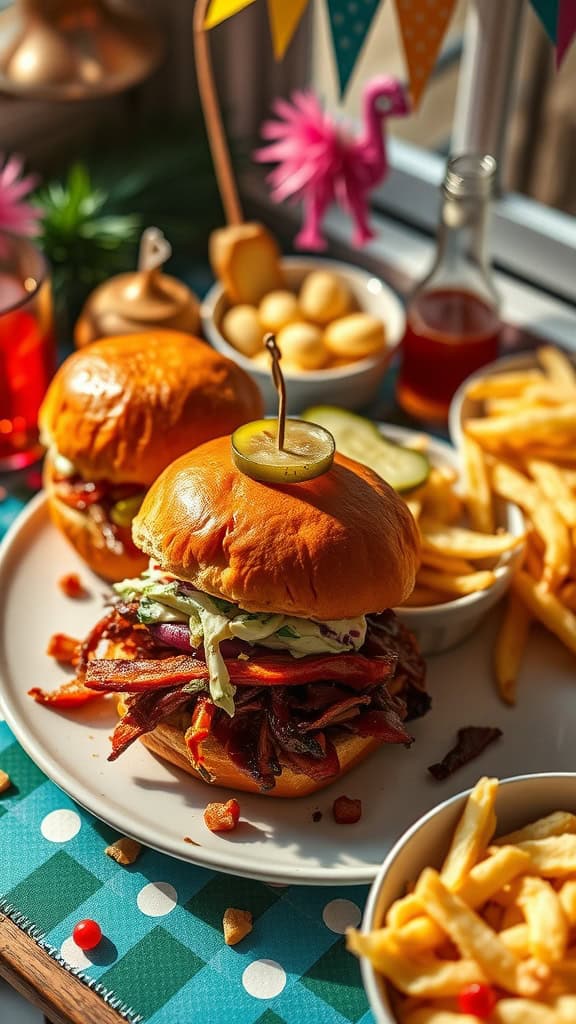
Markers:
{"x": 71, "y": 585}
{"x": 346, "y": 810}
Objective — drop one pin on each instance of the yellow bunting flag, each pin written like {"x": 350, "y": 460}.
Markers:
{"x": 284, "y": 19}
{"x": 219, "y": 10}
{"x": 423, "y": 24}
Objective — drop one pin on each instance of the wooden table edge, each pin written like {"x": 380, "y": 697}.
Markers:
{"x": 60, "y": 995}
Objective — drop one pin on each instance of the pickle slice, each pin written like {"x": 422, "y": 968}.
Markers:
{"x": 122, "y": 512}
{"x": 308, "y": 451}
{"x": 360, "y": 439}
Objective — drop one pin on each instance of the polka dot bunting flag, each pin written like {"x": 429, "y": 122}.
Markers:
{"x": 423, "y": 24}
{"x": 350, "y": 22}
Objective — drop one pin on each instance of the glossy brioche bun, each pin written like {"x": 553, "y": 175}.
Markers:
{"x": 87, "y": 537}
{"x": 124, "y": 407}
{"x": 339, "y": 546}
{"x": 167, "y": 741}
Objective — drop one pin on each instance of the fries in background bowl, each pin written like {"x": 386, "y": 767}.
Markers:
{"x": 515, "y": 424}
{"x": 465, "y": 570}
{"x": 495, "y": 907}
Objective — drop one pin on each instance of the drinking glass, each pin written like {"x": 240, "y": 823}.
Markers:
{"x": 27, "y": 348}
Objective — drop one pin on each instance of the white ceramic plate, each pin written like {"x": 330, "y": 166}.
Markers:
{"x": 277, "y": 841}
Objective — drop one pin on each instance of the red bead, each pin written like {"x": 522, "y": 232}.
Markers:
{"x": 87, "y": 934}
{"x": 478, "y": 1000}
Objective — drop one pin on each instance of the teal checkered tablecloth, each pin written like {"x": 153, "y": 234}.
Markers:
{"x": 163, "y": 957}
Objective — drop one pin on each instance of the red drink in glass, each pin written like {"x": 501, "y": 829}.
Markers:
{"x": 450, "y": 333}
{"x": 27, "y": 349}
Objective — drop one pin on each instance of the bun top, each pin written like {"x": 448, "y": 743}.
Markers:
{"x": 340, "y": 545}
{"x": 123, "y": 408}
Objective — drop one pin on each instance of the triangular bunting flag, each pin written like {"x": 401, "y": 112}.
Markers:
{"x": 284, "y": 19}
{"x": 566, "y": 28}
{"x": 350, "y": 23}
{"x": 219, "y": 10}
{"x": 423, "y": 24}
{"x": 547, "y": 11}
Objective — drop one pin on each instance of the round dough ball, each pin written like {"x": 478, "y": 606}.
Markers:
{"x": 242, "y": 328}
{"x": 263, "y": 362}
{"x": 324, "y": 297}
{"x": 278, "y": 309}
{"x": 355, "y": 336}
{"x": 302, "y": 343}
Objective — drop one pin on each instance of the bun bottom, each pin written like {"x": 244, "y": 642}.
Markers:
{"x": 167, "y": 742}
{"x": 85, "y": 535}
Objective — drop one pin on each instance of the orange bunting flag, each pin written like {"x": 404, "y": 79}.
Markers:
{"x": 219, "y": 10}
{"x": 284, "y": 20}
{"x": 423, "y": 24}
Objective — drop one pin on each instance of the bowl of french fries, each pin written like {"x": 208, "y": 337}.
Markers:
{"x": 472, "y": 916}
{"x": 514, "y": 423}
{"x": 468, "y": 557}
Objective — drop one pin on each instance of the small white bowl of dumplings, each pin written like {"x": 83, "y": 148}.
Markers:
{"x": 336, "y": 326}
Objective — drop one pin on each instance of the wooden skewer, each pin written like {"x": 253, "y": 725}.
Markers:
{"x": 280, "y": 385}
{"x": 213, "y": 118}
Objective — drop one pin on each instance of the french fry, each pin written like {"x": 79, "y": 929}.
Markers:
{"x": 528, "y": 425}
{"x": 490, "y": 875}
{"x": 453, "y": 566}
{"x": 554, "y": 857}
{"x": 554, "y": 487}
{"x": 514, "y": 486}
{"x": 565, "y": 1007}
{"x": 503, "y": 385}
{"x": 457, "y": 585}
{"x": 419, "y": 935}
{"x": 524, "y": 1011}
{"x": 510, "y": 646}
{"x": 415, "y": 507}
{"x": 547, "y": 924}
{"x": 404, "y": 910}
{"x": 439, "y": 499}
{"x": 567, "y": 594}
{"x": 462, "y": 543}
{"x": 473, "y": 833}
{"x": 477, "y": 493}
{"x": 557, "y": 366}
{"x": 516, "y": 938}
{"x": 567, "y": 897}
{"x": 547, "y": 608}
{"x": 555, "y": 824}
{"x": 473, "y": 937}
{"x": 427, "y": 978}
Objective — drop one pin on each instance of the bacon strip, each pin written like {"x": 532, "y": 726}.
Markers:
{"x": 71, "y": 695}
{"x": 147, "y": 674}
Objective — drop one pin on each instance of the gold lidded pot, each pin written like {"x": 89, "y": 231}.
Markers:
{"x": 139, "y": 300}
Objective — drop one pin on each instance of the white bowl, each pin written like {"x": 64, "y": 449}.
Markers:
{"x": 349, "y": 386}
{"x": 439, "y": 627}
{"x": 463, "y": 408}
{"x": 520, "y": 799}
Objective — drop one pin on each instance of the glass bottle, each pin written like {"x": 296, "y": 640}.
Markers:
{"x": 453, "y": 323}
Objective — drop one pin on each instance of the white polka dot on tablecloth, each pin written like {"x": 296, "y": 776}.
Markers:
{"x": 61, "y": 826}
{"x": 157, "y": 899}
{"x": 264, "y": 979}
{"x": 338, "y": 915}
{"x": 73, "y": 955}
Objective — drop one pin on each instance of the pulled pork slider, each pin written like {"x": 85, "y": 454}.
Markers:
{"x": 114, "y": 416}
{"x": 256, "y": 652}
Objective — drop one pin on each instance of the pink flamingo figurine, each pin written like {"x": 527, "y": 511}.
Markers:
{"x": 319, "y": 162}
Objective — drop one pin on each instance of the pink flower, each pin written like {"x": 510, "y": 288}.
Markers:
{"x": 16, "y": 216}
